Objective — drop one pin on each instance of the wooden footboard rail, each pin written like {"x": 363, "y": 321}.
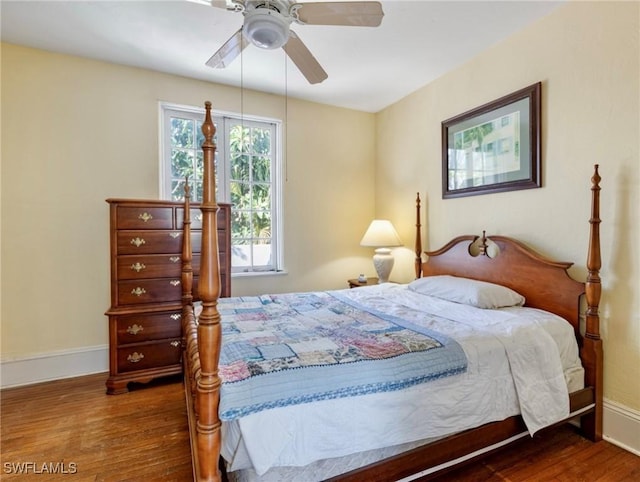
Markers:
{"x": 190, "y": 350}
{"x": 190, "y": 358}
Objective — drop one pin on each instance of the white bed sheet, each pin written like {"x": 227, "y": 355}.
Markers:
{"x": 299, "y": 435}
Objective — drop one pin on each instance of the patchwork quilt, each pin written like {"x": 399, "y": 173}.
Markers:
{"x": 279, "y": 350}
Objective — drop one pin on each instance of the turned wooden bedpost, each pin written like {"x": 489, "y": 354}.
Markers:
{"x": 418, "y": 246}
{"x": 209, "y": 330}
{"x": 187, "y": 268}
{"x": 592, "y": 348}
{"x": 187, "y": 253}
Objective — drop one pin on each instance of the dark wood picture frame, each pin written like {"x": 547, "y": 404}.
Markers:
{"x": 495, "y": 147}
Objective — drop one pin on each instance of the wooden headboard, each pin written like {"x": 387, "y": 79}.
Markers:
{"x": 545, "y": 284}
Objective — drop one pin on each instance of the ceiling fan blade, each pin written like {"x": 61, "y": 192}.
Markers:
{"x": 228, "y": 52}
{"x": 360, "y": 14}
{"x": 304, "y": 59}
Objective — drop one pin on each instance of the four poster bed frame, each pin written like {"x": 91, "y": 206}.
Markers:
{"x": 544, "y": 283}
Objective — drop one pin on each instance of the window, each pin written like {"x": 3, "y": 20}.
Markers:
{"x": 247, "y": 166}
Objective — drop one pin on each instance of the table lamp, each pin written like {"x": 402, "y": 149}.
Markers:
{"x": 381, "y": 235}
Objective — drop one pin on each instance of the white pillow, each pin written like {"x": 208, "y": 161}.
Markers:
{"x": 480, "y": 294}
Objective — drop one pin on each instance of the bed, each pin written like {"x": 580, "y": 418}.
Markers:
{"x": 489, "y": 338}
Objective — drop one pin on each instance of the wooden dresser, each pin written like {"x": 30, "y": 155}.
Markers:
{"x": 146, "y": 262}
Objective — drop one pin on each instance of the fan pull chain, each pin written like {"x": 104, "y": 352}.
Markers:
{"x": 242, "y": 96}
{"x": 286, "y": 119}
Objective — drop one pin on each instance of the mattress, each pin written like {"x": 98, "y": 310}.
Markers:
{"x": 520, "y": 361}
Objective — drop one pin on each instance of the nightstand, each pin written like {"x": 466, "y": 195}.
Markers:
{"x": 354, "y": 283}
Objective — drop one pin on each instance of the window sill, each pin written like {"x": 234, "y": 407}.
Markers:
{"x": 251, "y": 274}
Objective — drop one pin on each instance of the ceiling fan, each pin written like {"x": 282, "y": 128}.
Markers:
{"x": 266, "y": 25}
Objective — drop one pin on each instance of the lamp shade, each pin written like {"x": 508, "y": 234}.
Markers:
{"x": 380, "y": 233}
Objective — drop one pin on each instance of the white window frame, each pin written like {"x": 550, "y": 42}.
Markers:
{"x": 222, "y": 120}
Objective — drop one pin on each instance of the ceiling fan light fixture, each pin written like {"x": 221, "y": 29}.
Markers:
{"x": 266, "y": 29}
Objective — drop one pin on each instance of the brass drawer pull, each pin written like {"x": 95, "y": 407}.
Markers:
{"x": 174, "y": 259}
{"x": 137, "y": 267}
{"x": 138, "y": 242}
{"x": 175, "y": 235}
{"x": 135, "y": 357}
{"x": 134, "y": 329}
{"x": 176, "y": 316}
{"x": 138, "y": 291}
{"x": 174, "y": 282}
{"x": 145, "y": 217}
{"x": 175, "y": 343}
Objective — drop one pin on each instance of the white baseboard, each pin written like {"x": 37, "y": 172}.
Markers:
{"x": 53, "y": 366}
{"x": 621, "y": 426}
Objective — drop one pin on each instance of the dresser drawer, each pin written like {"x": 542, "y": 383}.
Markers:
{"x": 149, "y": 355}
{"x": 144, "y": 217}
{"x": 149, "y": 242}
{"x": 131, "y": 267}
{"x": 149, "y": 266}
{"x": 196, "y": 242}
{"x": 145, "y": 327}
{"x": 196, "y": 218}
{"x": 223, "y": 285}
{"x": 161, "y": 290}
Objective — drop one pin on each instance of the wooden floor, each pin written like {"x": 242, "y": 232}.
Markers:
{"x": 139, "y": 436}
{"x": 72, "y": 426}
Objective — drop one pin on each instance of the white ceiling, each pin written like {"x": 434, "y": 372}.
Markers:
{"x": 369, "y": 68}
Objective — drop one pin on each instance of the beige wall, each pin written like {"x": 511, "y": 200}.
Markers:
{"x": 587, "y": 56}
{"x": 77, "y": 131}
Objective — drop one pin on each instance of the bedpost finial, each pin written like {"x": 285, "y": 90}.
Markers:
{"x": 595, "y": 193}
{"x": 595, "y": 179}
{"x": 187, "y": 188}
{"x": 418, "y": 245}
{"x": 208, "y": 128}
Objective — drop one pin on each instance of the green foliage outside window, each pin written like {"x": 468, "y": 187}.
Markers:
{"x": 250, "y": 184}
{"x": 186, "y": 157}
{"x": 250, "y": 178}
